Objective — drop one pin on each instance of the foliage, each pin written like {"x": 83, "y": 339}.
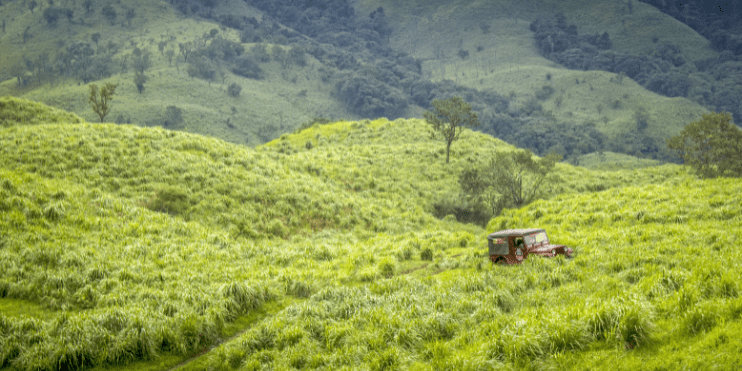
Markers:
{"x": 100, "y": 100}
{"x": 201, "y": 67}
{"x": 142, "y": 60}
{"x": 450, "y": 118}
{"x": 173, "y": 116}
{"x": 665, "y": 71}
{"x": 234, "y": 89}
{"x": 52, "y": 14}
{"x": 510, "y": 179}
{"x": 109, "y": 12}
{"x": 334, "y": 257}
{"x": 366, "y": 95}
{"x": 246, "y": 66}
{"x": 712, "y": 146}
{"x": 139, "y": 80}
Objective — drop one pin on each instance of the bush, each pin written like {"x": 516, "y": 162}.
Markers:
{"x": 234, "y": 90}
{"x": 246, "y": 66}
{"x": 52, "y": 14}
{"x": 711, "y": 146}
{"x": 386, "y": 267}
{"x": 109, "y": 13}
{"x": 201, "y": 68}
{"x": 260, "y": 53}
{"x": 170, "y": 199}
{"x": 173, "y": 116}
{"x": 463, "y": 210}
{"x": 139, "y": 80}
{"x": 297, "y": 56}
{"x": 426, "y": 254}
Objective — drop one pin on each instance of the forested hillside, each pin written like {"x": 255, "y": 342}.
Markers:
{"x": 248, "y": 71}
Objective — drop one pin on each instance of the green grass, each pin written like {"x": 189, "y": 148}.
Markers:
{"x": 609, "y": 161}
{"x": 156, "y": 246}
{"x": 266, "y": 108}
{"x": 509, "y": 61}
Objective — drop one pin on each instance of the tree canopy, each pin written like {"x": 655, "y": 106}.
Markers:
{"x": 101, "y": 103}
{"x": 510, "y": 179}
{"x": 449, "y": 118}
{"x": 712, "y": 146}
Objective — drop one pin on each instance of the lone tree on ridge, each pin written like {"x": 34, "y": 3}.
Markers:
{"x": 101, "y": 103}
{"x": 449, "y": 118}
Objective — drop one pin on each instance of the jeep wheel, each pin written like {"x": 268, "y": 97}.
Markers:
{"x": 501, "y": 261}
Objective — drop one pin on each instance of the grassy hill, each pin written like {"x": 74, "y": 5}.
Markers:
{"x": 273, "y": 104}
{"x": 319, "y": 250}
{"x": 502, "y": 58}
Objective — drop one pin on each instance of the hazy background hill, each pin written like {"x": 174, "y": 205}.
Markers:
{"x": 292, "y": 62}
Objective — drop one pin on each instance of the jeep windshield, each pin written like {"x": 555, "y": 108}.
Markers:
{"x": 537, "y": 239}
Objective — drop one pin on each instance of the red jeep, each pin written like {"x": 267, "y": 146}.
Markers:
{"x": 512, "y": 246}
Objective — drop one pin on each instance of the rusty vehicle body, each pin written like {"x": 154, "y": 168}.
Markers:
{"x": 513, "y": 246}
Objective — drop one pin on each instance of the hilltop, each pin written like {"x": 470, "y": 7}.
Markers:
{"x": 389, "y": 66}
{"x": 320, "y": 249}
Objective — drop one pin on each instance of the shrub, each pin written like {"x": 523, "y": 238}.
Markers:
{"x": 276, "y": 228}
{"x": 139, "y": 80}
{"x": 297, "y": 56}
{"x": 545, "y": 92}
{"x": 234, "y": 89}
{"x": 246, "y": 66}
{"x": 52, "y": 14}
{"x": 173, "y": 116}
{"x": 426, "y": 254}
{"x": 109, "y": 13}
{"x": 386, "y": 267}
{"x": 711, "y": 146}
{"x": 201, "y": 68}
{"x": 170, "y": 199}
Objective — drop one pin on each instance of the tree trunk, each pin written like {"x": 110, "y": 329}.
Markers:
{"x": 448, "y": 149}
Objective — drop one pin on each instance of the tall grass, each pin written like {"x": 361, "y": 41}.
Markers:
{"x": 343, "y": 232}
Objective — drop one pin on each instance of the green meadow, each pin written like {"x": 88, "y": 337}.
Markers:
{"x": 124, "y": 247}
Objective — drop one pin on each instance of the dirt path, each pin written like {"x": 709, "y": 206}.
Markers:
{"x": 262, "y": 314}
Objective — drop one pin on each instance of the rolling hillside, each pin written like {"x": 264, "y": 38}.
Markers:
{"x": 319, "y": 250}
{"x": 501, "y": 58}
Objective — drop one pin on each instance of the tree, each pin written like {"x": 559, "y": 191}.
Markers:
{"x": 173, "y": 116}
{"x": 95, "y": 37}
{"x": 130, "y": 14}
{"x": 142, "y": 60}
{"x": 51, "y": 15}
{"x": 642, "y": 119}
{"x": 449, "y": 118}
{"x": 712, "y": 146}
{"x": 109, "y": 13}
{"x": 32, "y": 5}
{"x": 101, "y": 103}
{"x": 296, "y": 56}
{"x": 510, "y": 179}
{"x": 246, "y": 66}
{"x": 87, "y": 4}
{"x": 234, "y": 89}
{"x": 139, "y": 80}
{"x": 170, "y": 54}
